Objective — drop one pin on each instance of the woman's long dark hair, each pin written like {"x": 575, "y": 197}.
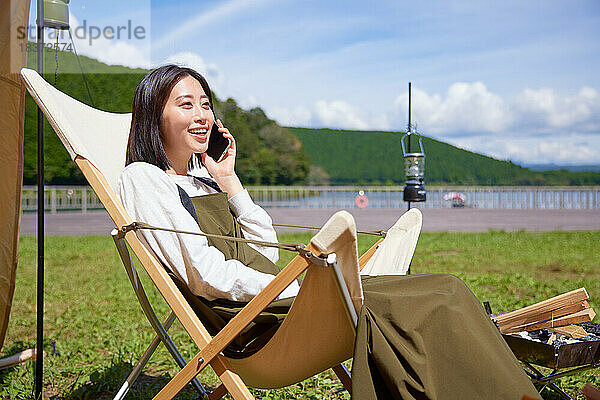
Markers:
{"x": 148, "y": 103}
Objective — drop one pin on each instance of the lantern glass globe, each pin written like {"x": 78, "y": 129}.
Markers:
{"x": 415, "y": 166}
{"x": 56, "y": 14}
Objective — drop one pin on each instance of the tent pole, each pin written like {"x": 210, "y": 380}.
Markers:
{"x": 39, "y": 365}
{"x": 409, "y": 125}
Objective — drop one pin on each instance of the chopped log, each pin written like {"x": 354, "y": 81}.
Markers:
{"x": 565, "y": 299}
{"x": 581, "y": 316}
{"x": 572, "y": 331}
{"x": 17, "y": 358}
{"x": 531, "y": 318}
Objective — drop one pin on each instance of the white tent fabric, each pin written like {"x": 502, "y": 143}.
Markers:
{"x": 394, "y": 254}
{"x": 13, "y": 14}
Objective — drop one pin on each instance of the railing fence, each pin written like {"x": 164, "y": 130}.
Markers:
{"x": 61, "y": 198}
{"x": 83, "y": 199}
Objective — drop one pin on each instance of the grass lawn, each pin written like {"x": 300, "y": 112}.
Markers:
{"x": 95, "y": 330}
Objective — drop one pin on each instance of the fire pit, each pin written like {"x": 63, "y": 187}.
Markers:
{"x": 563, "y": 352}
{"x": 556, "y": 333}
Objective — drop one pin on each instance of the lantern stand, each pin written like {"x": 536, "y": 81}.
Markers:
{"x": 414, "y": 164}
{"x": 57, "y": 16}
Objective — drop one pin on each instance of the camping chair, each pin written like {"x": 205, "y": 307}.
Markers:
{"x": 392, "y": 254}
{"x": 305, "y": 344}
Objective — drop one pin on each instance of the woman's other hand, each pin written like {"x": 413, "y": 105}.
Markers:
{"x": 223, "y": 172}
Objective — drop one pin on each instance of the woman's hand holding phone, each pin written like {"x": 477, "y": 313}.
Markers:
{"x": 223, "y": 171}
{"x": 217, "y": 143}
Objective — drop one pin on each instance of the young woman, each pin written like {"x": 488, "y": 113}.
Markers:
{"x": 419, "y": 337}
{"x": 171, "y": 123}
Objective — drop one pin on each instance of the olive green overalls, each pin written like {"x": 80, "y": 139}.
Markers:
{"x": 215, "y": 217}
{"x": 418, "y": 336}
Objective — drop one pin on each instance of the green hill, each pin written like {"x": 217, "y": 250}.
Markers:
{"x": 350, "y": 157}
{"x": 273, "y": 155}
{"x": 267, "y": 153}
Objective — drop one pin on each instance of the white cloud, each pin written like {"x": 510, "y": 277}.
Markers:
{"x": 91, "y": 42}
{"x": 120, "y": 53}
{"x": 211, "y": 72}
{"x": 339, "y": 114}
{"x": 331, "y": 114}
{"x": 547, "y": 110}
{"x": 470, "y": 108}
{"x": 467, "y": 107}
{"x": 571, "y": 149}
{"x": 298, "y": 116}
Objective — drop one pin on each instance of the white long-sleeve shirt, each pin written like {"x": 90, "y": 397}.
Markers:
{"x": 150, "y": 195}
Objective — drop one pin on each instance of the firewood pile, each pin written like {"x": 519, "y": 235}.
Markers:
{"x": 558, "y": 314}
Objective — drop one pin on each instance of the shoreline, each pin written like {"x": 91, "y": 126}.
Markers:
{"x": 434, "y": 220}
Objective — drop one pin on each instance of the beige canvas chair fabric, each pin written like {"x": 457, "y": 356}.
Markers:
{"x": 394, "y": 254}
{"x": 13, "y": 14}
{"x": 97, "y": 136}
{"x": 317, "y": 333}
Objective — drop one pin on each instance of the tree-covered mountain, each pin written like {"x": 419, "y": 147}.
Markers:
{"x": 268, "y": 154}
{"x": 343, "y": 157}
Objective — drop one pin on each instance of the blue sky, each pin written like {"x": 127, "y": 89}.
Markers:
{"x": 516, "y": 80}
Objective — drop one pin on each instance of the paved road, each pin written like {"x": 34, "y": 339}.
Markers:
{"x": 434, "y": 220}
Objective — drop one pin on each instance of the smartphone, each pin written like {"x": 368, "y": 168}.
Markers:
{"x": 217, "y": 144}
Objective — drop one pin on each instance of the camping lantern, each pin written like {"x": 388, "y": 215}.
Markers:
{"x": 56, "y": 14}
{"x": 414, "y": 165}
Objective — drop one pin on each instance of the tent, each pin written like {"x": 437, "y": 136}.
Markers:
{"x": 13, "y": 14}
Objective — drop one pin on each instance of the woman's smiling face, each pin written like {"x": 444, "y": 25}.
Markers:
{"x": 186, "y": 121}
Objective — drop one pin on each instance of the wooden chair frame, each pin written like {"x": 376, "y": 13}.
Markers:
{"x": 161, "y": 328}
{"x": 210, "y": 347}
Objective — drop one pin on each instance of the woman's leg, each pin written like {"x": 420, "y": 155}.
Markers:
{"x": 427, "y": 337}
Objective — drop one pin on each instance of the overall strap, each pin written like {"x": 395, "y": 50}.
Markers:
{"x": 187, "y": 202}
{"x": 209, "y": 182}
